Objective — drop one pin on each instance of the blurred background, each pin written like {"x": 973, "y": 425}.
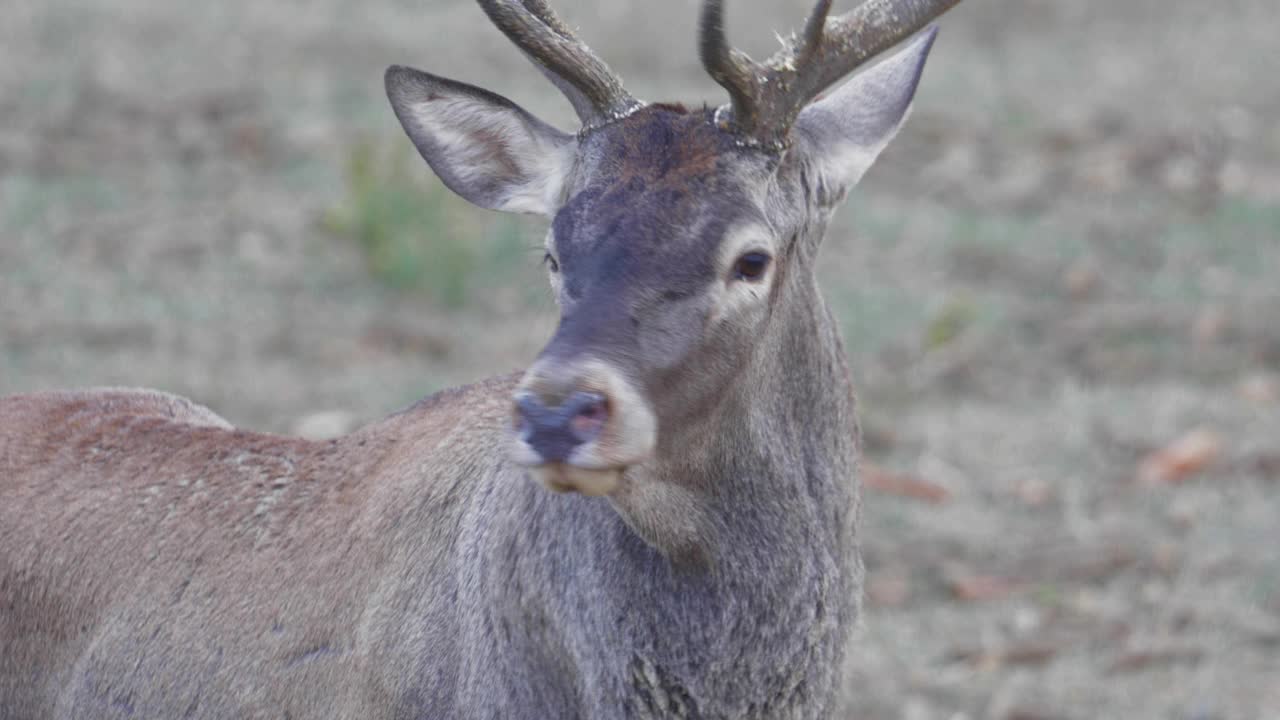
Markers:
{"x": 1060, "y": 289}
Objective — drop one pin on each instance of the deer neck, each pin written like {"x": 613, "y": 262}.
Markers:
{"x": 774, "y": 458}
{"x": 752, "y": 517}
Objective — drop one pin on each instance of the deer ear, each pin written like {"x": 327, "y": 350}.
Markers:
{"x": 843, "y": 133}
{"x": 483, "y": 146}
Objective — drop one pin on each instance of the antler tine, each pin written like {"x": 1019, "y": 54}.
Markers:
{"x": 767, "y": 97}
{"x": 733, "y": 70}
{"x": 854, "y": 38}
{"x": 814, "y": 29}
{"x": 595, "y": 92}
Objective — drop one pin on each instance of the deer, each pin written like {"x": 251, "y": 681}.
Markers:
{"x": 656, "y": 519}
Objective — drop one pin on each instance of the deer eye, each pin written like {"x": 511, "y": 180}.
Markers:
{"x": 551, "y": 263}
{"x": 751, "y": 266}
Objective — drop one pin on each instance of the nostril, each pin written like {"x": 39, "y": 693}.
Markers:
{"x": 555, "y": 431}
{"x": 530, "y": 413}
{"x": 589, "y": 415}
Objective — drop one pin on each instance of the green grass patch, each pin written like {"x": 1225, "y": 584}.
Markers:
{"x": 950, "y": 322}
{"x": 416, "y": 235}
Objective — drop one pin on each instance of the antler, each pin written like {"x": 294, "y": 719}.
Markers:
{"x": 594, "y": 90}
{"x": 767, "y": 97}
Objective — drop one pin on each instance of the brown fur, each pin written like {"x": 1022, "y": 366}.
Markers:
{"x": 120, "y": 499}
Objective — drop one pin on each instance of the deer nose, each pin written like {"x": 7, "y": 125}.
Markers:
{"x": 554, "y": 432}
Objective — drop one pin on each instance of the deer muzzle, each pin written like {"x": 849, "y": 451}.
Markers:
{"x": 577, "y": 425}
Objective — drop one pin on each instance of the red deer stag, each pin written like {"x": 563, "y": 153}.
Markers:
{"x": 694, "y": 401}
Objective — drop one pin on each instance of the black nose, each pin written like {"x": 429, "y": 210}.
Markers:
{"x": 554, "y": 432}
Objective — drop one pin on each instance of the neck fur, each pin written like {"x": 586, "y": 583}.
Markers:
{"x": 775, "y": 457}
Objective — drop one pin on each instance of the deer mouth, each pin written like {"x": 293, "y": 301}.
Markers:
{"x": 560, "y": 477}
{"x": 593, "y": 468}
{"x": 590, "y": 469}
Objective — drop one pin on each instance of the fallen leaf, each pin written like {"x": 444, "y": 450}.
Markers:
{"x": 906, "y": 486}
{"x": 1137, "y": 660}
{"x": 976, "y": 587}
{"x": 1180, "y": 459}
{"x": 1027, "y": 653}
{"x": 393, "y": 339}
{"x": 1099, "y": 563}
{"x": 981, "y": 588}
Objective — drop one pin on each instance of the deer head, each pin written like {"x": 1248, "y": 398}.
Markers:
{"x": 680, "y": 239}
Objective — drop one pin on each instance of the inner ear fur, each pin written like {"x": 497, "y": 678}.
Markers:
{"x": 483, "y": 146}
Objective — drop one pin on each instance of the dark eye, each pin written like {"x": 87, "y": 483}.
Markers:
{"x": 551, "y": 263}
{"x": 751, "y": 266}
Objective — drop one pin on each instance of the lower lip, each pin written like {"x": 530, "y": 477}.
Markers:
{"x": 561, "y": 478}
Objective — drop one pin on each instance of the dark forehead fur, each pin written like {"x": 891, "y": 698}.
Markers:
{"x": 665, "y": 184}
{"x": 661, "y": 143}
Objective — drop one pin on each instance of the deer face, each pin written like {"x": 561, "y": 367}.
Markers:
{"x": 673, "y": 239}
{"x": 662, "y": 260}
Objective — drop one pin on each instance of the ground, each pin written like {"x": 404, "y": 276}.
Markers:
{"x": 1058, "y": 289}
